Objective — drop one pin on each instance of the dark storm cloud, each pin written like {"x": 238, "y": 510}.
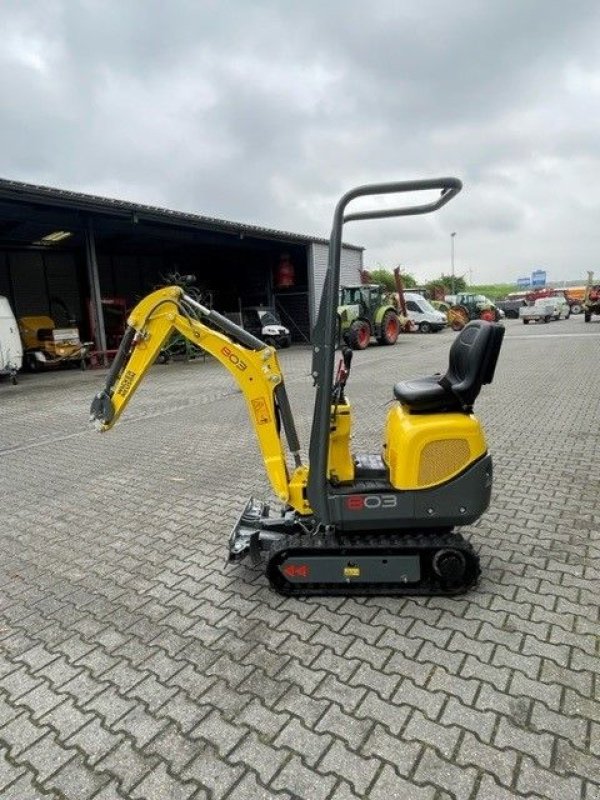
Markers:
{"x": 266, "y": 112}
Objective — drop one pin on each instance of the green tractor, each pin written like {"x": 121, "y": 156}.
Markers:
{"x": 367, "y": 310}
{"x": 467, "y": 307}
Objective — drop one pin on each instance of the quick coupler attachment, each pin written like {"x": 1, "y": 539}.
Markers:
{"x": 102, "y": 410}
{"x": 254, "y": 532}
{"x": 245, "y": 531}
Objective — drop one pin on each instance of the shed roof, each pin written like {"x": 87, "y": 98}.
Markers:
{"x": 63, "y": 198}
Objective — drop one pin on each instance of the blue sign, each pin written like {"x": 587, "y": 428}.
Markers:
{"x": 523, "y": 283}
{"x": 538, "y": 277}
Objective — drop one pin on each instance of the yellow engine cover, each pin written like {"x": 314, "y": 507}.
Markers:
{"x": 423, "y": 450}
{"x": 340, "y": 466}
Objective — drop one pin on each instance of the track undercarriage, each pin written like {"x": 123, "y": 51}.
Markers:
{"x": 302, "y": 560}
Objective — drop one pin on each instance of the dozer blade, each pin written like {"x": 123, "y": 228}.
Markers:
{"x": 432, "y": 563}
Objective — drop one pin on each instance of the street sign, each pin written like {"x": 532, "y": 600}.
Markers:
{"x": 523, "y": 283}
{"x": 538, "y": 277}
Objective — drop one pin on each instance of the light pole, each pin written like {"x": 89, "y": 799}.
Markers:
{"x": 452, "y": 235}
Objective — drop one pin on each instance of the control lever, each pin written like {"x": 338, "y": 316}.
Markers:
{"x": 347, "y": 354}
{"x": 342, "y": 376}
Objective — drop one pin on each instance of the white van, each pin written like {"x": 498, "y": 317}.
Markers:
{"x": 423, "y": 314}
{"x": 11, "y": 349}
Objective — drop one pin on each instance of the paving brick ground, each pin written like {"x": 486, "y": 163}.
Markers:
{"x": 135, "y": 664}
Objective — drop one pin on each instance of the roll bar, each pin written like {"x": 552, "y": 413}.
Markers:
{"x": 324, "y": 331}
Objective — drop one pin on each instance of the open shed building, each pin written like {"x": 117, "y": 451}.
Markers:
{"x": 78, "y": 257}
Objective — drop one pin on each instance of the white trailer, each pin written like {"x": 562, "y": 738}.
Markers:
{"x": 543, "y": 310}
{"x": 11, "y": 349}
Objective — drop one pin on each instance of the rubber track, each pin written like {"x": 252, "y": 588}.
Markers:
{"x": 380, "y": 544}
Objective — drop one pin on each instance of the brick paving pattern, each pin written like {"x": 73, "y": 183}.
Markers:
{"x": 135, "y": 664}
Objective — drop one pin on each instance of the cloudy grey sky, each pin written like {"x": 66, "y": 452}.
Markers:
{"x": 266, "y": 112}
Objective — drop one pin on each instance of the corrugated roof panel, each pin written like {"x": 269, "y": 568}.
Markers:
{"x": 17, "y": 190}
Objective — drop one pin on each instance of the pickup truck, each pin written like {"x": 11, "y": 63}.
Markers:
{"x": 543, "y": 310}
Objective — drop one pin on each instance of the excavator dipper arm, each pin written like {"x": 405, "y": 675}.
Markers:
{"x": 253, "y": 365}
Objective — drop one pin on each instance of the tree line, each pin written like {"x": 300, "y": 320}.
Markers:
{"x": 494, "y": 291}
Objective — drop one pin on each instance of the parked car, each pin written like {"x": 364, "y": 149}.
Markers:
{"x": 557, "y": 296}
{"x": 562, "y": 309}
{"x": 264, "y": 323}
{"x": 424, "y": 316}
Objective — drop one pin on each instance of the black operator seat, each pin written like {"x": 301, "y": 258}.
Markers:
{"x": 473, "y": 358}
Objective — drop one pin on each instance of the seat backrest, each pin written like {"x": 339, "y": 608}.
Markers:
{"x": 473, "y": 358}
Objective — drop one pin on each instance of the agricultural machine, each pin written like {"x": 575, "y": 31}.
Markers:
{"x": 469, "y": 307}
{"x": 591, "y": 300}
{"x": 368, "y": 310}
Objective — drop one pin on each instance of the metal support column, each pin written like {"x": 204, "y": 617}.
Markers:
{"x": 96, "y": 296}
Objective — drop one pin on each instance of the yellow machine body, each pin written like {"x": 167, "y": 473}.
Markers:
{"x": 375, "y": 523}
{"x": 340, "y": 467}
{"x": 425, "y": 450}
{"x": 420, "y": 450}
{"x": 256, "y": 373}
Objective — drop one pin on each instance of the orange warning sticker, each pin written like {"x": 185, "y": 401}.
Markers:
{"x": 261, "y": 411}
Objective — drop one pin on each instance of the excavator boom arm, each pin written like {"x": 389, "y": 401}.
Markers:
{"x": 257, "y": 373}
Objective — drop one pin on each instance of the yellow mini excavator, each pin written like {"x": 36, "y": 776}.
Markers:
{"x": 350, "y": 523}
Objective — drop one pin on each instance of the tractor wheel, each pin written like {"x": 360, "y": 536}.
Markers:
{"x": 587, "y": 316}
{"x": 458, "y": 317}
{"x": 390, "y": 328}
{"x": 525, "y": 322}
{"x": 359, "y": 335}
{"x": 576, "y": 308}
{"x": 425, "y": 327}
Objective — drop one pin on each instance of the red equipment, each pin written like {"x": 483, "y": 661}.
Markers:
{"x": 285, "y": 276}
